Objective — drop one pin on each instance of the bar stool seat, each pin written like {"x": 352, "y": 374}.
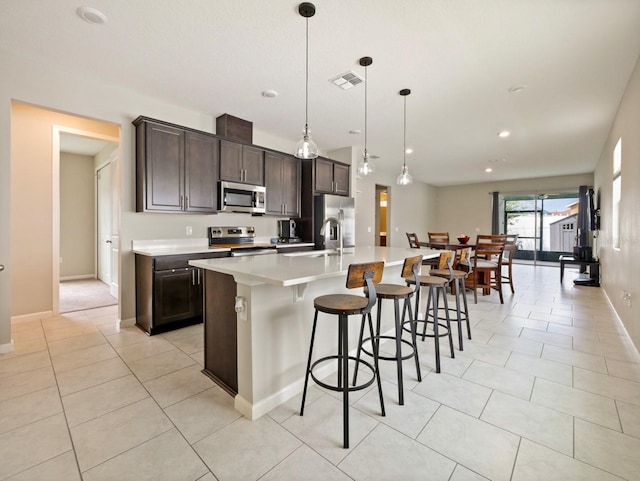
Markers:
{"x": 396, "y": 292}
{"x": 344, "y": 305}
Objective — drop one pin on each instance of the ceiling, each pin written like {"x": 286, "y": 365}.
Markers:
{"x": 77, "y": 144}
{"x": 458, "y": 57}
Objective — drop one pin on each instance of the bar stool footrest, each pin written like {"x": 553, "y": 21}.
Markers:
{"x": 440, "y": 325}
{"x": 389, "y": 358}
{"x": 336, "y": 388}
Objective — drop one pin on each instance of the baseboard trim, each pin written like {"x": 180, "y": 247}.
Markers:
{"x": 127, "y": 322}
{"x": 36, "y": 316}
{"x": 6, "y": 348}
{"x": 619, "y": 319}
{"x": 78, "y": 278}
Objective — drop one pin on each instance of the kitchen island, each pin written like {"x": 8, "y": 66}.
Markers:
{"x": 258, "y": 313}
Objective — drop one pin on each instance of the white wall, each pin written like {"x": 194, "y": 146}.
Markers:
{"x": 620, "y": 267}
{"x": 77, "y": 216}
{"x": 5, "y": 214}
{"x": 412, "y": 208}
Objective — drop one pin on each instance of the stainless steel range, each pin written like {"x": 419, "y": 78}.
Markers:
{"x": 240, "y": 239}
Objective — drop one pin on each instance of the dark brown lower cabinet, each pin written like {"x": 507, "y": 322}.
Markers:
{"x": 169, "y": 291}
{"x": 221, "y": 331}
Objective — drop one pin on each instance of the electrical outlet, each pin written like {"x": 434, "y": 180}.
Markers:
{"x": 626, "y": 296}
{"x": 368, "y": 229}
{"x": 189, "y": 230}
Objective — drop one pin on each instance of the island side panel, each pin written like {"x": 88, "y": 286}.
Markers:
{"x": 273, "y": 342}
{"x": 220, "y": 330}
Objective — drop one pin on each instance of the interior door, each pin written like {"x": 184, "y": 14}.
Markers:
{"x": 104, "y": 223}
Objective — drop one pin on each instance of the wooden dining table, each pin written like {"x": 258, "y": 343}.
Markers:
{"x": 444, "y": 246}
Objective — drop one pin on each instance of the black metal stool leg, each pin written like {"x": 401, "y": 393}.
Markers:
{"x": 458, "y": 312}
{"x": 306, "y": 376}
{"x": 398, "y": 324}
{"x": 340, "y": 352}
{"x": 426, "y": 312}
{"x": 375, "y": 348}
{"x": 345, "y": 377}
{"x": 412, "y": 325}
{"x": 436, "y": 338}
{"x": 466, "y": 307}
{"x": 446, "y": 310}
{"x": 359, "y": 351}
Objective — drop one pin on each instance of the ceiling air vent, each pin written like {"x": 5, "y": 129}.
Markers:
{"x": 347, "y": 80}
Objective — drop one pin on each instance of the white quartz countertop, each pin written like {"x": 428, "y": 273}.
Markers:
{"x": 290, "y": 270}
{"x": 171, "y": 247}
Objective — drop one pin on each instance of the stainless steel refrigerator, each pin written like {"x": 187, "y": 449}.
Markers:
{"x": 329, "y": 206}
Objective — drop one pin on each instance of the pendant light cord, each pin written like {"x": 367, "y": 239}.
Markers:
{"x": 365, "y": 112}
{"x": 404, "y": 151}
{"x": 306, "y": 95}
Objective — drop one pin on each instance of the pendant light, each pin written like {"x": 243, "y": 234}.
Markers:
{"x": 366, "y": 167}
{"x": 306, "y": 148}
{"x": 405, "y": 178}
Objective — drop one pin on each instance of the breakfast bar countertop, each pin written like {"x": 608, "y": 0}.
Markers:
{"x": 300, "y": 268}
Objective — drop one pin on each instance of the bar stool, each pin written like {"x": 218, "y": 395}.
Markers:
{"x": 344, "y": 305}
{"x": 397, "y": 292}
{"x": 437, "y": 287}
{"x": 456, "y": 278}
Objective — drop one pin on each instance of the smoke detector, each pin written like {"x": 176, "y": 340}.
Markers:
{"x": 347, "y": 80}
{"x": 91, "y": 15}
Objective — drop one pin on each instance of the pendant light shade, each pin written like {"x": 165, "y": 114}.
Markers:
{"x": 365, "y": 167}
{"x": 404, "y": 178}
{"x": 306, "y": 148}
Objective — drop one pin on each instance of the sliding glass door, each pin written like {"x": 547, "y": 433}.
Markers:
{"x": 546, "y": 224}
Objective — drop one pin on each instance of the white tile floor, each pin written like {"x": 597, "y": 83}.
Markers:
{"x": 549, "y": 389}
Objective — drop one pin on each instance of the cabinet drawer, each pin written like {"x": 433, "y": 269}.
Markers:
{"x": 181, "y": 261}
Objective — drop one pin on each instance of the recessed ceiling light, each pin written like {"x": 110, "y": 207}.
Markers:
{"x": 91, "y": 15}
{"x": 514, "y": 89}
{"x": 409, "y": 151}
{"x": 355, "y": 132}
{"x": 503, "y": 134}
{"x": 269, "y": 93}
{"x": 488, "y": 169}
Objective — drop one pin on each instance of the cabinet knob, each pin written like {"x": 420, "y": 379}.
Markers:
{"x": 1, "y": 267}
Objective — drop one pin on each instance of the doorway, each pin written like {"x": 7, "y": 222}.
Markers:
{"x": 382, "y": 216}
{"x": 86, "y": 208}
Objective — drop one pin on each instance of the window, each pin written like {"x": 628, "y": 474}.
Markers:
{"x": 617, "y": 193}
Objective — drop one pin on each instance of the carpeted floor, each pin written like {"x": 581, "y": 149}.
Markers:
{"x": 84, "y": 294}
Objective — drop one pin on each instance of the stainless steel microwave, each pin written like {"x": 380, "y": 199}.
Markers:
{"x": 242, "y": 198}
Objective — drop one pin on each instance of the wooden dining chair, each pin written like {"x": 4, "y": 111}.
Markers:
{"x": 439, "y": 238}
{"x": 510, "y": 247}
{"x": 487, "y": 265}
{"x": 414, "y": 243}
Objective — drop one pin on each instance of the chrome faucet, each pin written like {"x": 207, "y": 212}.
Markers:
{"x": 338, "y": 222}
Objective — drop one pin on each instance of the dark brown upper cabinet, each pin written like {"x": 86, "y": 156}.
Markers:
{"x": 176, "y": 169}
{"x": 282, "y": 181}
{"x": 330, "y": 177}
{"x": 241, "y": 163}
